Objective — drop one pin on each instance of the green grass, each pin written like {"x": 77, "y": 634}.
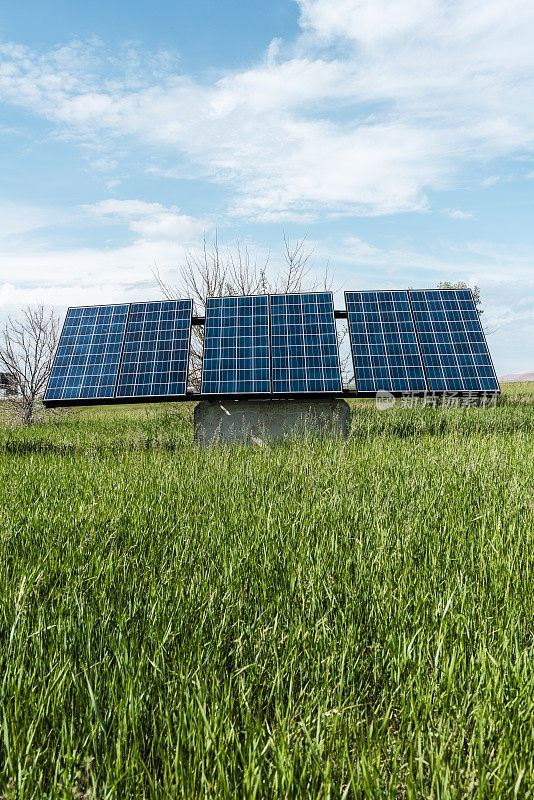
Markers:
{"x": 527, "y": 387}
{"x": 320, "y": 619}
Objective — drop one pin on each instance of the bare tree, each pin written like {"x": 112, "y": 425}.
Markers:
{"x": 220, "y": 272}
{"x": 217, "y": 272}
{"x": 27, "y": 347}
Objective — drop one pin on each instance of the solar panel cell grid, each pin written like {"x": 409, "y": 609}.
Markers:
{"x": 88, "y": 355}
{"x": 384, "y": 345}
{"x": 304, "y": 349}
{"x": 236, "y": 346}
{"x": 156, "y": 349}
{"x": 280, "y": 344}
{"x": 453, "y": 346}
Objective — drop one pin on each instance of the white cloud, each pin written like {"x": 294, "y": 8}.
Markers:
{"x": 457, "y": 213}
{"x": 377, "y": 101}
{"x": 17, "y": 219}
{"x": 78, "y": 276}
{"x": 35, "y": 270}
{"x": 489, "y": 181}
{"x": 151, "y": 221}
{"x": 364, "y": 21}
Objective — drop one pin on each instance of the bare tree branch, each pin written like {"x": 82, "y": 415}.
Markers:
{"x": 27, "y": 347}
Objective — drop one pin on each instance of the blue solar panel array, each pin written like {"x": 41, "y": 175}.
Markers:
{"x": 304, "y": 351}
{"x": 236, "y": 346}
{"x": 453, "y": 347}
{"x": 88, "y": 356}
{"x": 401, "y": 341}
{"x": 384, "y": 345}
{"x": 123, "y": 351}
{"x": 156, "y": 349}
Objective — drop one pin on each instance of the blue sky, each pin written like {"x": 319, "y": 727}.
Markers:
{"x": 397, "y": 135}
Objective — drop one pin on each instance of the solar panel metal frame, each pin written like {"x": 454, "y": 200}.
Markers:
{"x": 261, "y": 393}
{"x": 312, "y": 392}
{"x": 194, "y": 395}
{"x": 186, "y": 349}
{"x": 392, "y": 389}
{"x": 443, "y": 389}
{"x": 86, "y": 399}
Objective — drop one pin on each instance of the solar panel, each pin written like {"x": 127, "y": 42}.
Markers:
{"x": 304, "y": 351}
{"x": 236, "y": 346}
{"x": 453, "y": 347}
{"x": 88, "y": 355}
{"x": 401, "y": 341}
{"x": 156, "y": 349}
{"x": 384, "y": 345}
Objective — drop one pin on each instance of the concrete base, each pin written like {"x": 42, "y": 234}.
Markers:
{"x": 264, "y": 421}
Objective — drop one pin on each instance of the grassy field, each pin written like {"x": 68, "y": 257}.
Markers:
{"x": 321, "y": 619}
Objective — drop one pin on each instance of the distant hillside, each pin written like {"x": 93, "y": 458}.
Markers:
{"x": 519, "y": 376}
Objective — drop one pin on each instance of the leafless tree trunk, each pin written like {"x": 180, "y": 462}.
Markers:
{"x": 27, "y": 347}
{"x": 220, "y": 272}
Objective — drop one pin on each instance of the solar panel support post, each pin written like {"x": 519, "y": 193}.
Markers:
{"x": 264, "y": 422}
